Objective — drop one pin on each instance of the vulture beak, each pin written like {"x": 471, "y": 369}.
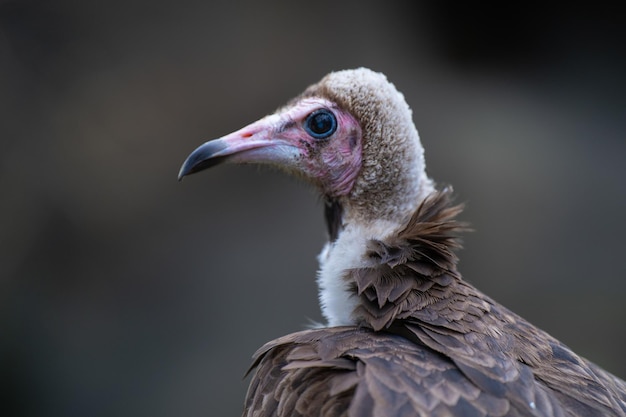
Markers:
{"x": 261, "y": 142}
{"x": 312, "y": 139}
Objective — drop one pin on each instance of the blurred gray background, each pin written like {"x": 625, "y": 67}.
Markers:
{"x": 125, "y": 293}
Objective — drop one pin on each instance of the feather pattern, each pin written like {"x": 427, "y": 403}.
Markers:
{"x": 419, "y": 340}
{"x": 427, "y": 344}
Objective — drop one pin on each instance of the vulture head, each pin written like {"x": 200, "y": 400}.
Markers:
{"x": 353, "y": 137}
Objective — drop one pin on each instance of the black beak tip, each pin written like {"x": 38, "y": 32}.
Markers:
{"x": 202, "y": 158}
{"x": 184, "y": 171}
{"x": 186, "y": 168}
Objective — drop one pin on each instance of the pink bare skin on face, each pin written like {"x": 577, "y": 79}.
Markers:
{"x": 314, "y": 138}
{"x": 332, "y": 162}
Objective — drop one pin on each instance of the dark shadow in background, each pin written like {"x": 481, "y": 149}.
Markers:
{"x": 124, "y": 292}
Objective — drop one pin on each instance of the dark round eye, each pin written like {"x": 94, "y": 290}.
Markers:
{"x": 321, "y": 124}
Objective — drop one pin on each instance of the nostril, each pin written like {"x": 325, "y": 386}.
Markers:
{"x": 247, "y": 135}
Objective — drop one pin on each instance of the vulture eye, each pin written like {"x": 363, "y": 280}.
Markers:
{"x": 321, "y": 124}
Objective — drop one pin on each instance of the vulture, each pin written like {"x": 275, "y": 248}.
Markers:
{"x": 405, "y": 335}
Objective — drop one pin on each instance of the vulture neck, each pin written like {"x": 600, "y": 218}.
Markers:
{"x": 352, "y": 226}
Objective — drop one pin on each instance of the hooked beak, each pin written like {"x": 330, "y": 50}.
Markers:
{"x": 255, "y": 143}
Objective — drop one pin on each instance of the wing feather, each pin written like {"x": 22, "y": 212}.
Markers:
{"x": 428, "y": 344}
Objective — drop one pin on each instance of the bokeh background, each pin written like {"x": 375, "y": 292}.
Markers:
{"x": 125, "y": 293}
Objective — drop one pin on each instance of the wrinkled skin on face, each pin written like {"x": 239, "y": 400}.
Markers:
{"x": 285, "y": 140}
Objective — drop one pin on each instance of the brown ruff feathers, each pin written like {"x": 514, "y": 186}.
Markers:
{"x": 442, "y": 347}
{"x": 414, "y": 268}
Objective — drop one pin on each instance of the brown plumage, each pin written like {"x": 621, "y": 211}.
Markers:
{"x": 445, "y": 348}
{"x": 408, "y": 336}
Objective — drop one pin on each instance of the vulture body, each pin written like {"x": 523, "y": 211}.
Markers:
{"x": 406, "y": 336}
